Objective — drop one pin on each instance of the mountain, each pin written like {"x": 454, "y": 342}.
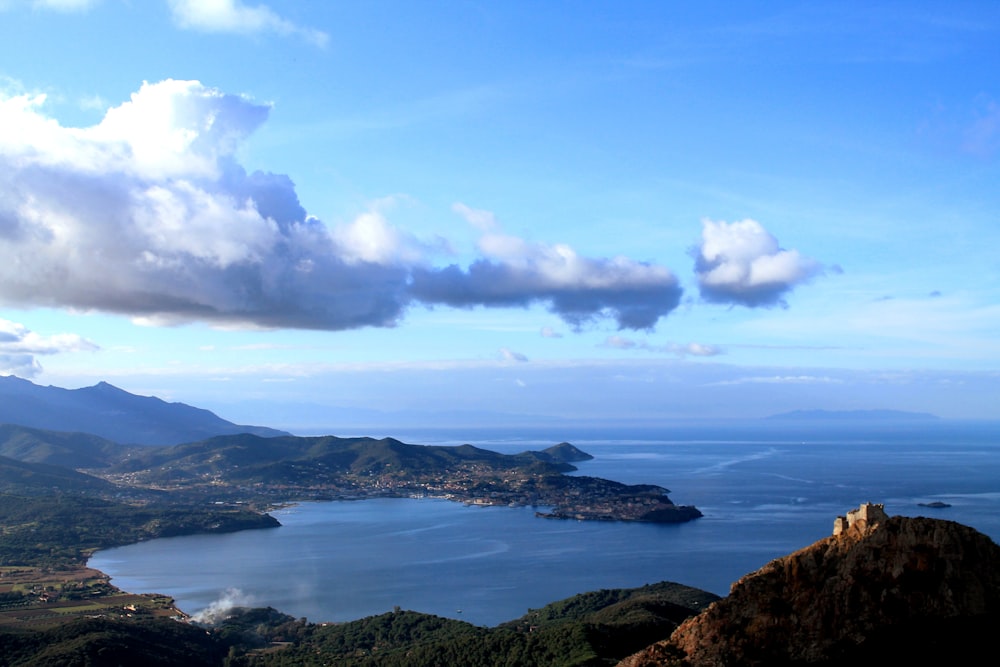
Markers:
{"x": 883, "y": 591}
{"x": 112, "y": 413}
{"x": 853, "y": 415}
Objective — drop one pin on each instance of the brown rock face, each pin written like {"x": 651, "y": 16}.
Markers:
{"x": 870, "y": 587}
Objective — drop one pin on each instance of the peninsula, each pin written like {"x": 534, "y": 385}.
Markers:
{"x": 153, "y": 451}
{"x": 267, "y": 471}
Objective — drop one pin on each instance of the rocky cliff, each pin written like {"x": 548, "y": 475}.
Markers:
{"x": 899, "y": 588}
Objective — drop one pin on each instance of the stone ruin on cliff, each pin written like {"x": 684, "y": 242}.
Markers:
{"x": 866, "y": 516}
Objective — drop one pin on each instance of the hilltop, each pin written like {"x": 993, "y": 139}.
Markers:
{"x": 879, "y": 591}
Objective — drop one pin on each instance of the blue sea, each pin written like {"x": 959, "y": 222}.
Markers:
{"x": 766, "y": 489}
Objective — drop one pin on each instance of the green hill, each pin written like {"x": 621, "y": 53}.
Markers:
{"x": 33, "y": 479}
{"x": 591, "y": 629}
{"x": 69, "y": 450}
{"x": 247, "y": 458}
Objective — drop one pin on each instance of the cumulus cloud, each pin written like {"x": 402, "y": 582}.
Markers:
{"x": 549, "y": 332}
{"x": 149, "y": 214}
{"x": 19, "y": 346}
{"x": 370, "y": 237}
{"x": 234, "y": 16}
{"x": 678, "y": 349}
{"x": 741, "y": 263}
{"x": 517, "y": 272}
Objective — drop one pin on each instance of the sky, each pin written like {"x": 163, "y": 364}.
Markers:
{"x": 312, "y": 215}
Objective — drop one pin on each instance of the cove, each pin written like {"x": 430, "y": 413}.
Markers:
{"x": 340, "y": 561}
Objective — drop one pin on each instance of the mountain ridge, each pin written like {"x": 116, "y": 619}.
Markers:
{"x": 112, "y": 413}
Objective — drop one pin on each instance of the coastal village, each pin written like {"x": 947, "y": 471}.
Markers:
{"x": 556, "y": 495}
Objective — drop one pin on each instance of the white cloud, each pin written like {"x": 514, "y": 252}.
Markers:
{"x": 549, "y": 332}
{"x": 21, "y": 365}
{"x": 93, "y": 103}
{"x": 371, "y": 238}
{"x": 620, "y": 342}
{"x": 234, "y": 16}
{"x": 677, "y": 349}
{"x": 742, "y": 263}
{"x": 517, "y": 272}
{"x": 15, "y": 337}
{"x": 700, "y": 349}
{"x": 484, "y": 221}
{"x": 149, "y": 214}
{"x": 510, "y": 355}
{"x": 19, "y": 345}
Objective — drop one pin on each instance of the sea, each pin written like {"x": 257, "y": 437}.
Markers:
{"x": 765, "y": 488}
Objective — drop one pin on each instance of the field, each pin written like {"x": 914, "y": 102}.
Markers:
{"x": 34, "y": 598}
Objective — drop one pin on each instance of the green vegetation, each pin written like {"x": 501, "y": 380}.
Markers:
{"x": 68, "y": 450}
{"x": 588, "y": 630}
{"x": 94, "y": 641}
{"x": 247, "y": 468}
{"x": 249, "y": 459}
{"x": 63, "y": 530}
{"x": 591, "y": 629}
{"x": 32, "y": 479}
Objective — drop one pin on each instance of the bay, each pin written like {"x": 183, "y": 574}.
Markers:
{"x": 765, "y": 491}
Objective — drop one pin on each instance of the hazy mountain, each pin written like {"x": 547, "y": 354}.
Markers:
{"x": 112, "y": 413}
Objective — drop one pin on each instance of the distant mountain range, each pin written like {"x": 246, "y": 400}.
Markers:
{"x": 854, "y": 415}
{"x": 112, "y": 413}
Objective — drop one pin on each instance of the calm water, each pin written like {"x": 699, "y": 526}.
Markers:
{"x": 764, "y": 493}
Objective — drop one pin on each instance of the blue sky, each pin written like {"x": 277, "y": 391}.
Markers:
{"x": 296, "y": 212}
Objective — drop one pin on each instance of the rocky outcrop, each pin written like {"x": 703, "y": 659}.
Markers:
{"x": 880, "y": 585}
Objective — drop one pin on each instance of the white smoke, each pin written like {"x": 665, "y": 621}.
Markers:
{"x": 222, "y": 608}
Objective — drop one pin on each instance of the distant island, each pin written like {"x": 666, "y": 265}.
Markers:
{"x": 853, "y": 415}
